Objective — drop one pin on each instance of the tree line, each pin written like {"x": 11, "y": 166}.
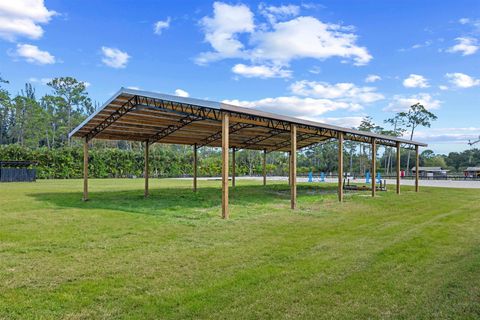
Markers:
{"x": 36, "y": 128}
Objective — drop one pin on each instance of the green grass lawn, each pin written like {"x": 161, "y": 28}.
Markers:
{"x": 413, "y": 256}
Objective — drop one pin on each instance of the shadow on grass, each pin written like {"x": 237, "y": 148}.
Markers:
{"x": 182, "y": 202}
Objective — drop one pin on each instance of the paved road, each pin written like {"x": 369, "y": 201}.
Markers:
{"x": 425, "y": 183}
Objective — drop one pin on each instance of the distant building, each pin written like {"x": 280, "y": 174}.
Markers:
{"x": 472, "y": 172}
{"x": 431, "y": 172}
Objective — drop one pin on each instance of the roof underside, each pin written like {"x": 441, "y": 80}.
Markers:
{"x": 145, "y": 116}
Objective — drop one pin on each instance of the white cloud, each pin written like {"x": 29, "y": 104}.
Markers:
{"x": 261, "y": 71}
{"x": 274, "y": 13}
{"x": 296, "y": 106}
{"x": 311, "y": 100}
{"x": 443, "y": 87}
{"x": 475, "y": 23}
{"x": 341, "y": 91}
{"x": 402, "y": 103}
{"x": 43, "y": 81}
{"x": 160, "y": 25}
{"x": 33, "y": 54}
{"x": 277, "y": 43}
{"x": 424, "y": 44}
{"x": 181, "y": 93}
{"x": 372, "y": 78}
{"x": 23, "y": 18}
{"x": 462, "y": 80}
{"x": 465, "y": 45}
{"x": 415, "y": 81}
{"x": 114, "y": 58}
{"x": 133, "y": 87}
{"x": 221, "y": 31}
{"x": 448, "y": 135}
{"x": 307, "y": 37}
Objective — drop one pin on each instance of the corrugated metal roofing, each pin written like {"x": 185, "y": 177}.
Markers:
{"x": 146, "y": 119}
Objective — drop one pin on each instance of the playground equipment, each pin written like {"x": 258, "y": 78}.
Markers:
{"x": 382, "y": 186}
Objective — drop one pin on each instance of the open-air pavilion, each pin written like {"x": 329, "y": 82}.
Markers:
{"x": 160, "y": 118}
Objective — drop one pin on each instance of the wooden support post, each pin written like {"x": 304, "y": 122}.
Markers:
{"x": 225, "y": 150}
{"x": 145, "y": 172}
{"x": 417, "y": 164}
{"x": 374, "y": 166}
{"x": 195, "y": 167}
{"x": 289, "y": 167}
{"x": 293, "y": 166}
{"x": 85, "y": 170}
{"x": 264, "y": 167}
{"x": 340, "y": 166}
{"x": 233, "y": 167}
{"x": 398, "y": 167}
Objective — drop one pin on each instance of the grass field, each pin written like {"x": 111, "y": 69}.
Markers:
{"x": 171, "y": 256}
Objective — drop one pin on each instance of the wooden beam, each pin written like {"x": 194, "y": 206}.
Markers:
{"x": 264, "y": 167}
{"x": 195, "y": 167}
{"x": 374, "y": 167}
{"x": 293, "y": 167}
{"x": 417, "y": 164}
{"x": 398, "y": 167}
{"x": 340, "y": 166}
{"x": 233, "y": 166}
{"x": 225, "y": 133}
{"x": 145, "y": 172}
{"x": 85, "y": 170}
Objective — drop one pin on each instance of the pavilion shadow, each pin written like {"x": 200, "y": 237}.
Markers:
{"x": 180, "y": 202}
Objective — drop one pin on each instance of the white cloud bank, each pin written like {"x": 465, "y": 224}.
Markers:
{"x": 341, "y": 91}
{"x": 448, "y": 135}
{"x": 114, "y": 58}
{"x": 277, "y": 42}
{"x": 462, "y": 80}
{"x": 261, "y": 71}
{"x": 23, "y": 18}
{"x": 33, "y": 54}
{"x": 402, "y": 103}
{"x": 465, "y": 45}
{"x": 415, "y": 81}
{"x": 311, "y": 100}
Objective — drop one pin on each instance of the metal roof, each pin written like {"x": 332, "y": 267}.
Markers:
{"x": 472, "y": 169}
{"x": 155, "y": 117}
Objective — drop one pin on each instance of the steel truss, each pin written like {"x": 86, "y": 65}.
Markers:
{"x": 172, "y": 128}
{"x": 218, "y": 135}
{"x": 193, "y": 113}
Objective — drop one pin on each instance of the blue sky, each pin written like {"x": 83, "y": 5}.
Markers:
{"x": 331, "y": 61}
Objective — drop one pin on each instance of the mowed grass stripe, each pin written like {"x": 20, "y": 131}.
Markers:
{"x": 171, "y": 256}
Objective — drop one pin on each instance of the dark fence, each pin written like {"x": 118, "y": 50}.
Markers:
{"x": 17, "y": 174}
{"x": 17, "y": 171}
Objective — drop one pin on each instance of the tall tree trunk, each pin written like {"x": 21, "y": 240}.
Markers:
{"x": 409, "y": 150}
